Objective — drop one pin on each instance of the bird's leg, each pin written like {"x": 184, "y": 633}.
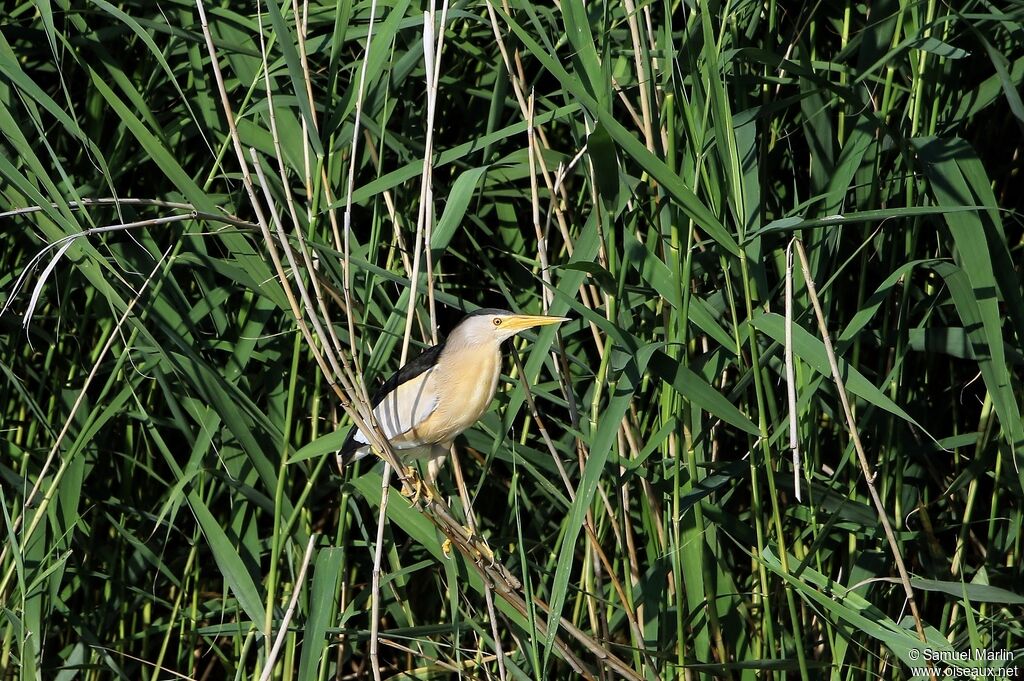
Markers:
{"x": 408, "y": 491}
{"x": 480, "y": 549}
{"x": 425, "y": 487}
{"x": 438, "y": 453}
{"x": 477, "y": 544}
{"x": 417, "y": 491}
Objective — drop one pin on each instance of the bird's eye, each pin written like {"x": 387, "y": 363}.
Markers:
{"x": 497, "y": 321}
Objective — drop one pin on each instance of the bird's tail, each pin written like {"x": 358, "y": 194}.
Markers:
{"x": 349, "y": 451}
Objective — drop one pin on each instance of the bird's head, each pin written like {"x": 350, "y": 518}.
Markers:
{"x": 493, "y": 326}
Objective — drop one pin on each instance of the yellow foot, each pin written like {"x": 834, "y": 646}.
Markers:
{"x": 480, "y": 549}
{"x": 478, "y": 545}
{"x": 418, "y": 491}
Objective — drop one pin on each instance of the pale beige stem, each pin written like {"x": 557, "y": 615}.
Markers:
{"x": 869, "y": 475}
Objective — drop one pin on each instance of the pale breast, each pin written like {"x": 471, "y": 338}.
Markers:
{"x": 466, "y": 388}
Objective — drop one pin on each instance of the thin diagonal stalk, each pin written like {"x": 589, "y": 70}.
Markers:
{"x": 851, "y": 422}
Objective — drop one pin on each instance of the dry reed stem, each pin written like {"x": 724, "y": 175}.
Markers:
{"x": 361, "y": 90}
{"x": 283, "y": 629}
{"x": 289, "y": 200}
{"x": 851, "y": 422}
{"x": 110, "y": 201}
{"x": 555, "y": 188}
{"x": 424, "y": 216}
{"x": 432, "y": 62}
{"x": 588, "y": 523}
{"x": 337, "y": 374}
{"x": 378, "y": 557}
{"x": 62, "y": 245}
{"x": 542, "y": 244}
{"x": 44, "y": 503}
{"x": 460, "y": 484}
{"x": 343, "y": 381}
{"x": 389, "y": 205}
{"x": 794, "y": 439}
{"x": 526, "y": 106}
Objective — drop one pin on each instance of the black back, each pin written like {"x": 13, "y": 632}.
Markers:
{"x": 413, "y": 368}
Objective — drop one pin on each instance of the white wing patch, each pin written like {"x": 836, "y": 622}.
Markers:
{"x": 405, "y": 408}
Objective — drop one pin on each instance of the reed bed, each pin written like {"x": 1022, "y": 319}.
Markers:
{"x": 780, "y": 438}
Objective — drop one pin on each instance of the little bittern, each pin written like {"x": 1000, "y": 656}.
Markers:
{"x": 443, "y": 391}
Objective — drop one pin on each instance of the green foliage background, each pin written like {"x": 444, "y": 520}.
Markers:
{"x": 157, "y": 497}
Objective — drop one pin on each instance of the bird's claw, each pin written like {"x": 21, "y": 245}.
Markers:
{"x": 477, "y": 544}
{"x": 480, "y": 548}
{"x": 420, "y": 490}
